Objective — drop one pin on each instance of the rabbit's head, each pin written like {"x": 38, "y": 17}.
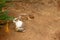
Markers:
{"x": 16, "y": 19}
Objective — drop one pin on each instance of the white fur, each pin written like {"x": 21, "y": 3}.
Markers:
{"x": 18, "y": 24}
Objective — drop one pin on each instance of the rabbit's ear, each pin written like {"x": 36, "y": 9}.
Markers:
{"x": 15, "y": 19}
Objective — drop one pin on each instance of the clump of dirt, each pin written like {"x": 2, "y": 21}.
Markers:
{"x": 57, "y": 35}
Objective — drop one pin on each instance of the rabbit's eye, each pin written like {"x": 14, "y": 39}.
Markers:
{"x": 16, "y": 19}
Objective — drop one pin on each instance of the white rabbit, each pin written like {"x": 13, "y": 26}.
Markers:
{"x": 19, "y": 21}
{"x": 19, "y": 24}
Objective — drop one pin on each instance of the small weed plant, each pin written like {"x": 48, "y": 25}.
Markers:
{"x": 4, "y": 14}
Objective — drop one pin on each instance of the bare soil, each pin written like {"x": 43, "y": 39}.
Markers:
{"x": 44, "y": 26}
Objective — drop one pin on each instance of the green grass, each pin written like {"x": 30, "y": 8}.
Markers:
{"x": 4, "y": 14}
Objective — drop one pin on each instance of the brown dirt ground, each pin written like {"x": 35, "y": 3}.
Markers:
{"x": 44, "y": 26}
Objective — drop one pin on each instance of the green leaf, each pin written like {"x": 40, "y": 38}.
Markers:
{"x": 3, "y": 1}
{"x": 4, "y": 15}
